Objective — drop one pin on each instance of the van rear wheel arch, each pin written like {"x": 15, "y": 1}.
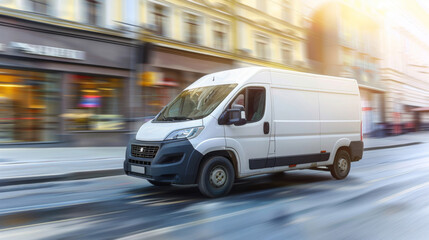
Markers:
{"x": 346, "y": 148}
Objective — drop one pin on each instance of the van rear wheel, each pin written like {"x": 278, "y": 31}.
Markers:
{"x": 341, "y": 167}
{"x": 216, "y": 177}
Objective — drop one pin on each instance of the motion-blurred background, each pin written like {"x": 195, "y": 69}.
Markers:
{"x": 88, "y": 73}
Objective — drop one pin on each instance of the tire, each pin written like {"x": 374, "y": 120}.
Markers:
{"x": 216, "y": 177}
{"x": 341, "y": 167}
{"x": 159, "y": 184}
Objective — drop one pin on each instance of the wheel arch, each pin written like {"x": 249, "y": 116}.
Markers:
{"x": 342, "y": 143}
{"x": 227, "y": 153}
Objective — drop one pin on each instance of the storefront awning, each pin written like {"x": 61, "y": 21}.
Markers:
{"x": 420, "y": 109}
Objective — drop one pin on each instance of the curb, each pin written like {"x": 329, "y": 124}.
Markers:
{"x": 392, "y": 146}
{"x": 61, "y": 177}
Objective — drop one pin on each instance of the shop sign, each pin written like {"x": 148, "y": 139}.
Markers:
{"x": 48, "y": 51}
{"x": 148, "y": 79}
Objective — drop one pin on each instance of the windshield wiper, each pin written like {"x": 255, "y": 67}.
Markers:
{"x": 176, "y": 118}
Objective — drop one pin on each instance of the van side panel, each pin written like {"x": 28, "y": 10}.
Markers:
{"x": 339, "y": 120}
{"x": 297, "y": 126}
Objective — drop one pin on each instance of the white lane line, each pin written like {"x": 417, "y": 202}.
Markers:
{"x": 59, "y": 221}
{"x": 145, "y": 194}
{"x": 52, "y": 205}
{"x": 415, "y": 188}
{"x": 300, "y": 220}
{"x": 155, "y": 232}
{"x": 168, "y": 203}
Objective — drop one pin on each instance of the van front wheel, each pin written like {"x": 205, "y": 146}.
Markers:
{"x": 341, "y": 167}
{"x": 216, "y": 177}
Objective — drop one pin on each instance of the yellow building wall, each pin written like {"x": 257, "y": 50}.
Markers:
{"x": 178, "y": 8}
{"x": 117, "y": 10}
{"x": 242, "y": 31}
{"x": 67, "y": 10}
{"x": 9, "y": 4}
{"x": 142, "y": 13}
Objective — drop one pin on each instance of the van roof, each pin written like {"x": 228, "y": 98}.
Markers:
{"x": 241, "y": 76}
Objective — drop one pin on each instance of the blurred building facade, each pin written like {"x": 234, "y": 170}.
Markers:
{"x": 405, "y": 66}
{"x": 63, "y": 73}
{"x": 344, "y": 41}
{"x": 86, "y": 72}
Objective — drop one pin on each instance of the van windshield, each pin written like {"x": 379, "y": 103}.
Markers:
{"x": 195, "y": 103}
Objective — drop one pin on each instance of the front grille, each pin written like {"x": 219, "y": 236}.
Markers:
{"x": 144, "y": 151}
{"x": 145, "y": 163}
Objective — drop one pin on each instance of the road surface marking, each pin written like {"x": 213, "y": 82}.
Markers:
{"x": 58, "y": 221}
{"x": 145, "y": 194}
{"x": 168, "y": 203}
{"x": 384, "y": 178}
{"x": 164, "y": 230}
{"x": 148, "y": 200}
{"x": 300, "y": 220}
{"x": 415, "y": 188}
{"x": 55, "y": 205}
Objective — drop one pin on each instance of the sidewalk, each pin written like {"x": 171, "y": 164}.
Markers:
{"x": 395, "y": 141}
{"x": 35, "y": 165}
{"x": 31, "y": 165}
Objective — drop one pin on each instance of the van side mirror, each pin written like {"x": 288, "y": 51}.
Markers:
{"x": 236, "y": 116}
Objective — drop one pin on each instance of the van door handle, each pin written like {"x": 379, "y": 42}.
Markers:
{"x": 266, "y": 127}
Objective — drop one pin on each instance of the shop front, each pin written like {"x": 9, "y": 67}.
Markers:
{"x": 63, "y": 85}
{"x": 29, "y": 106}
{"x": 372, "y": 103}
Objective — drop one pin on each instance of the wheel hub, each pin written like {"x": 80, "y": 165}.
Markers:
{"x": 218, "y": 176}
{"x": 342, "y": 165}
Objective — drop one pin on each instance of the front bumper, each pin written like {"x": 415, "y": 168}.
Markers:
{"x": 175, "y": 162}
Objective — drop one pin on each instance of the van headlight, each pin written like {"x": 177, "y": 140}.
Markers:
{"x": 184, "y": 133}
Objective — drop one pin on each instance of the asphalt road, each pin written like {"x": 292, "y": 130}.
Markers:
{"x": 386, "y": 196}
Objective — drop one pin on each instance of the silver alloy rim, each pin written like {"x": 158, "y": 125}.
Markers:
{"x": 218, "y": 176}
{"x": 342, "y": 165}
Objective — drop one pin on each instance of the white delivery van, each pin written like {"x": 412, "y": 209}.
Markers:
{"x": 249, "y": 121}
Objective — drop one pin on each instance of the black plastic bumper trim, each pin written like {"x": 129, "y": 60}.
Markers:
{"x": 356, "y": 150}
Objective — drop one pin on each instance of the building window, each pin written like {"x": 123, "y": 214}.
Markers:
{"x": 94, "y": 103}
{"x": 192, "y": 28}
{"x": 287, "y": 53}
{"x": 159, "y": 19}
{"x": 286, "y": 10}
{"x": 262, "y": 47}
{"x": 39, "y": 6}
{"x": 220, "y": 31}
{"x": 92, "y": 12}
{"x": 29, "y": 106}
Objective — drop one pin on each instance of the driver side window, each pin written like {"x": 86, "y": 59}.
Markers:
{"x": 253, "y": 101}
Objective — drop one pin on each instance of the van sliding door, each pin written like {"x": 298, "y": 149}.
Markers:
{"x": 297, "y": 126}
